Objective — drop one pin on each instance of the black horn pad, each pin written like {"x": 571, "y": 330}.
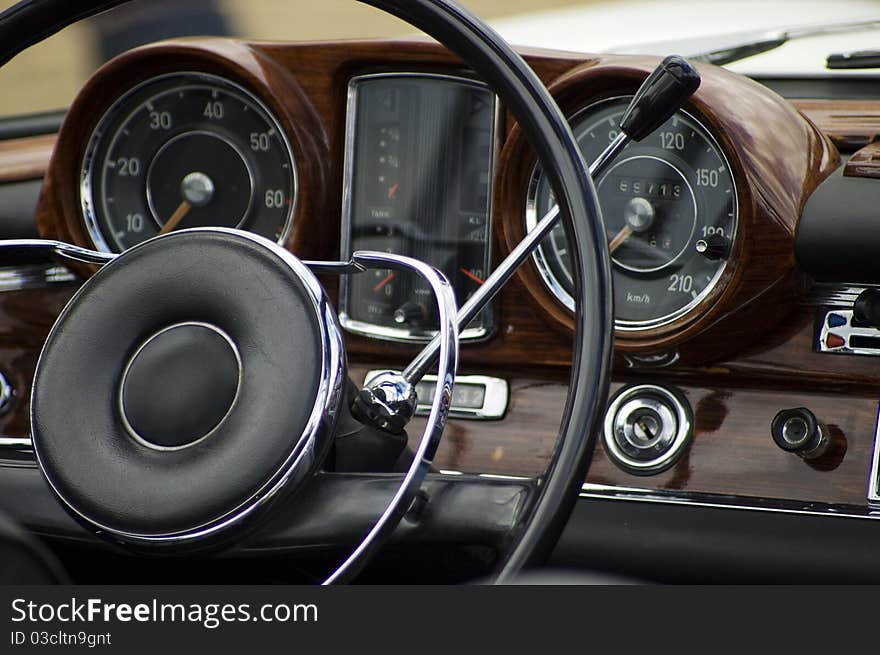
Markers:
{"x": 247, "y": 431}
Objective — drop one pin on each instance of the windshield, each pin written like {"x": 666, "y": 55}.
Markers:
{"x": 48, "y": 76}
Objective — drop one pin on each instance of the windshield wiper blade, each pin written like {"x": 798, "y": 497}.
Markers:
{"x": 727, "y": 48}
{"x": 853, "y": 60}
{"x": 766, "y": 41}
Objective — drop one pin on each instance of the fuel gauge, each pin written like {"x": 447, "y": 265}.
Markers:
{"x": 418, "y": 172}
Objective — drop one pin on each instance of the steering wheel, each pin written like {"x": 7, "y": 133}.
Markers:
{"x": 262, "y": 356}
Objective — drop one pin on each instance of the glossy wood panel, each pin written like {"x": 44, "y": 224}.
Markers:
{"x": 732, "y": 452}
{"x": 865, "y": 162}
{"x": 851, "y": 124}
{"x": 26, "y": 158}
{"x": 519, "y": 444}
{"x": 522, "y": 338}
{"x": 778, "y": 157}
{"x": 26, "y": 318}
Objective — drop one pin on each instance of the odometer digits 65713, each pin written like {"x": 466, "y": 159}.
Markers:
{"x": 669, "y": 207}
{"x": 186, "y": 150}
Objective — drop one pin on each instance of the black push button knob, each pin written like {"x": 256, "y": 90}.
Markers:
{"x": 798, "y": 431}
{"x": 409, "y": 312}
{"x": 714, "y": 246}
{"x": 866, "y": 309}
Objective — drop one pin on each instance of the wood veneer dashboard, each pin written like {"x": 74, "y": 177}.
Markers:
{"x": 744, "y": 353}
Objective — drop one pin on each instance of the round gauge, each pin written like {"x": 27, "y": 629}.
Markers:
{"x": 670, "y": 211}
{"x": 186, "y": 150}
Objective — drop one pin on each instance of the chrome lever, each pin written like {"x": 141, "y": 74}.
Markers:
{"x": 391, "y": 399}
{"x": 42, "y": 249}
{"x": 660, "y": 95}
{"x": 501, "y": 275}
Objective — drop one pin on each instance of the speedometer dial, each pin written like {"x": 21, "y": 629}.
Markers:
{"x": 669, "y": 207}
{"x": 186, "y": 150}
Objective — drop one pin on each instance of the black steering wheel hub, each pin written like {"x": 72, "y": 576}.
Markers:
{"x": 183, "y": 382}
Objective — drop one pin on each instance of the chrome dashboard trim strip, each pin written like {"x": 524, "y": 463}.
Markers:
{"x": 834, "y": 295}
{"x": 595, "y": 491}
{"x": 380, "y": 331}
{"x": 874, "y": 479}
{"x": 33, "y": 276}
{"x": 21, "y": 444}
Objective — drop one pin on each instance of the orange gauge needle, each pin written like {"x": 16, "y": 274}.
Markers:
{"x": 471, "y": 275}
{"x": 619, "y": 238}
{"x": 181, "y": 211}
{"x": 392, "y": 192}
{"x": 385, "y": 280}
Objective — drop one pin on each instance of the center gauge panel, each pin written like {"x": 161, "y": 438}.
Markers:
{"x": 418, "y": 170}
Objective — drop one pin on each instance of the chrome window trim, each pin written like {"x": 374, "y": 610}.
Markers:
{"x": 380, "y": 331}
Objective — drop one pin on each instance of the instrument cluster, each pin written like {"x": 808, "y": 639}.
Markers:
{"x": 414, "y": 160}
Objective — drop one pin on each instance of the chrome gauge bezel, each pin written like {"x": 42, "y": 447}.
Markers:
{"x": 556, "y": 288}
{"x": 380, "y": 331}
{"x": 88, "y": 202}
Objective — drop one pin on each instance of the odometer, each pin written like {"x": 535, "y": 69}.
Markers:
{"x": 669, "y": 207}
{"x": 186, "y": 150}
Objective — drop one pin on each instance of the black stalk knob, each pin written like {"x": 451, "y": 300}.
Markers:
{"x": 659, "y": 97}
{"x": 866, "y": 308}
{"x": 714, "y": 246}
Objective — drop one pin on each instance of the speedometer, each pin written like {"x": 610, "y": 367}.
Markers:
{"x": 670, "y": 212}
{"x": 186, "y": 150}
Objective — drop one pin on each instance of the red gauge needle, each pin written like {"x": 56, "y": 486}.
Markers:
{"x": 471, "y": 275}
{"x": 392, "y": 192}
{"x": 385, "y": 280}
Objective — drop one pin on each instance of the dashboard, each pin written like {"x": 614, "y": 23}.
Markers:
{"x": 328, "y": 148}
